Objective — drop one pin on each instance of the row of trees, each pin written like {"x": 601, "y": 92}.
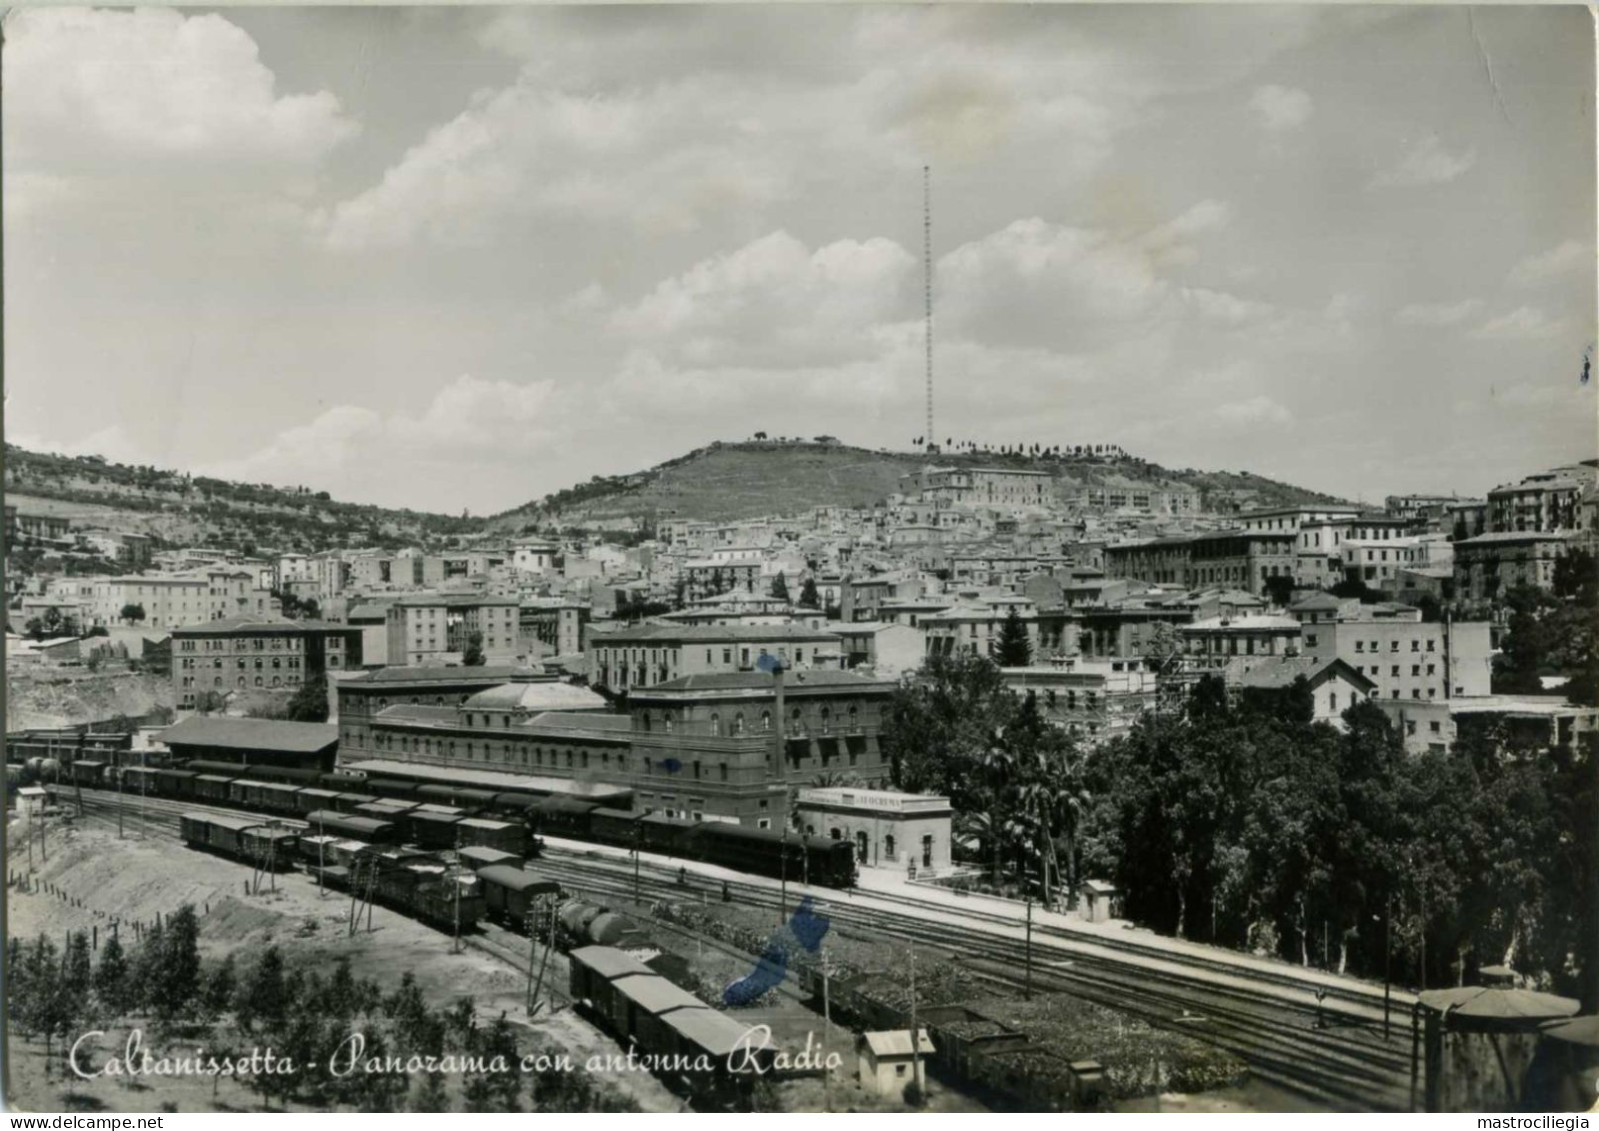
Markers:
{"x": 1552, "y": 633}
{"x": 51, "y": 992}
{"x": 1043, "y": 451}
{"x": 1242, "y": 821}
{"x": 1246, "y": 823}
{"x": 295, "y": 1009}
{"x": 1015, "y": 781}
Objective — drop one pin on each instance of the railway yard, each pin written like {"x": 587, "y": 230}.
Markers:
{"x": 1178, "y": 1027}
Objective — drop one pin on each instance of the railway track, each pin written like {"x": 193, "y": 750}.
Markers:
{"x": 1272, "y": 1023}
{"x": 1349, "y": 1067}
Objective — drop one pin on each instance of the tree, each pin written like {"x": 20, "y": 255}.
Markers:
{"x": 941, "y": 720}
{"x": 1280, "y": 590}
{"x": 263, "y": 996}
{"x": 809, "y": 598}
{"x": 780, "y": 587}
{"x": 309, "y": 703}
{"x": 177, "y": 982}
{"x": 133, "y": 614}
{"x": 220, "y": 986}
{"x": 111, "y": 978}
{"x": 77, "y": 974}
{"x": 473, "y": 657}
{"x": 1013, "y": 649}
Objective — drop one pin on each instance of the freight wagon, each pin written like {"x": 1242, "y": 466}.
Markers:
{"x": 510, "y": 892}
{"x": 357, "y": 828}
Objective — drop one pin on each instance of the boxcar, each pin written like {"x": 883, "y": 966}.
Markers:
{"x": 492, "y": 834}
{"x": 279, "y": 797}
{"x": 88, "y": 772}
{"x": 515, "y": 806}
{"x": 383, "y": 810}
{"x": 175, "y": 783}
{"x": 477, "y": 858}
{"x": 314, "y": 847}
{"x": 344, "y": 851}
{"x": 141, "y": 780}
{"x": 245, "y": 791}
{"x": 431, "y": 830}
{"x": 475, "y": 799}
{"x": 392, "y": 788}
{"x": 615, "y": 826}
{"x": 310, "y": 799}
{"x": 347, "y": 802}
{"x": 593, "y": 969}
{"x": 224, "y": 834}
{"x": 360, "y": 828}
{"x": 509, "y": 892}
{"x": 563, "y": 817}
{"x": 268, "y": 845}
{"x": 344, "y": 783}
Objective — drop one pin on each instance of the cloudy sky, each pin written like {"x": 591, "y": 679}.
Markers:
{"x": 459, "y": 258}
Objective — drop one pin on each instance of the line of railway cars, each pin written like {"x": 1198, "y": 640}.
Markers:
{"x": 668, "y": 1024}
{"x": 765, "y": 852}
{"x": 449, "y": 816}
{"x": 243, "y": 838}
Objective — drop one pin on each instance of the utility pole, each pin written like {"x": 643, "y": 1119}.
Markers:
{"x": 1027, "y": 993}
{"x": 927, "y": 294}
{"x": 637, "y": 831}
{"x": 916, "y": 1042}
{"x": 530, "y": 920}
{"x": 455, "y": 882}
{"x": 321, "y": 859}
{"x": 120, "y": 769}
{"x": 782, "y": 897}
{"x": 1387, "y": 962}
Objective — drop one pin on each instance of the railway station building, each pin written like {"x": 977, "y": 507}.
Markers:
{"x": 905, "y": 831}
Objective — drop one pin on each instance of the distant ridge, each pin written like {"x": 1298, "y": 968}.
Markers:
{"x": 725, "y": 482}
{"x": 722, "y": 482}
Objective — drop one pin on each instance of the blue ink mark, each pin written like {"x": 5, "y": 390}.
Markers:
{"x": 671, "y": 765}
{"x": 808, "y": 926}
{"x": 768, "y": 663}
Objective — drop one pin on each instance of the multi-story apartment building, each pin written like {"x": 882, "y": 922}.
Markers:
{"x": 979, "y": 486}
{"x": 1241, "y": 558}
{"x": 974, "y": 624}
{"x": 1490, "y": 564}
{"x": 1293, "y": 518}
{"x": 244, "y": 653}
{"x": 630, "y": 659}
{"x": 1093, "y": 699}
{"x": 1211, "y": 643}
{"x": 1404, "y": 656}
{"x": 551, "y": 626}
{"x": 436, "y": 628}
{"x": 708, "y": 577}
{"x": 172, "y": 600}
{"x": 534, "y": 557}
{"x": 1544, "y": 503}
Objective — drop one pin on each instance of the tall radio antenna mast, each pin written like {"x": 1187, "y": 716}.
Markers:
{"x": 927, "y": 293}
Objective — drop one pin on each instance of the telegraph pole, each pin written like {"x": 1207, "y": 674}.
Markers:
{"x": 637, "y": 833}
{"x": 1387, "y": 962}
{"x": 1027, "y": 993}
{"x": 916, "y": 1041}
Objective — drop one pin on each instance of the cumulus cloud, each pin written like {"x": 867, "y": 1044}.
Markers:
{"x": 469, "y": 419}
{"x": 88, "y": 87}
{"x": 1437, "y": 313}
{"x": 1525, "y": 322}
{"x": 1281, "y": 108}
{"x": 1557, "y": 261}
{"x": 1425, "y": 163}
{"x": 776, "y": 302}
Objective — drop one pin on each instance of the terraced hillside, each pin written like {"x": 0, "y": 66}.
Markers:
{"x": 725, "y": 482}
{"x": 182, "y": 508}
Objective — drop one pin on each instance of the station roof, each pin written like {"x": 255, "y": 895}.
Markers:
{"x": 253, "y": 734}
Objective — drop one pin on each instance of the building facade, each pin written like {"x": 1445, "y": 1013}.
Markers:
{"x": 237, "y": 654}
{"x": 437, "y": 628}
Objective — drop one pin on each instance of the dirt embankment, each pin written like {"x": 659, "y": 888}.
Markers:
{"x": 92, "y": 878}
{"x": 65, "y": 697}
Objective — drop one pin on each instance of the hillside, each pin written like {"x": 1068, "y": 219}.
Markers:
{"x": 185, "y": 509}
{"x": 726, "y": 482}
